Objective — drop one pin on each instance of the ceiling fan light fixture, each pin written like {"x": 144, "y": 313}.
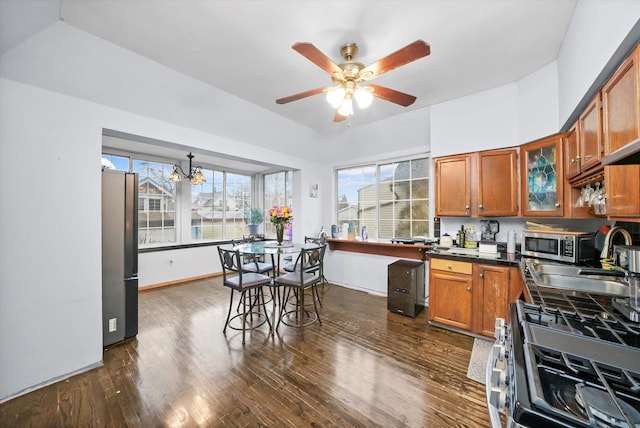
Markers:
{"x": 363, "y": 97}
{"x": 346, "y": 108}
{"x": 335, "y": 96}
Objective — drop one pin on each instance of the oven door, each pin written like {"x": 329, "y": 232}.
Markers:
{"x": 496, "y": 374}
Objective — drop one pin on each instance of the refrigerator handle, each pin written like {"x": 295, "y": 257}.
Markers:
{"x": 131, "y": 225}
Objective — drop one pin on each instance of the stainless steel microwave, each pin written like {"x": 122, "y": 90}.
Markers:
{"x": 562, "y": 246}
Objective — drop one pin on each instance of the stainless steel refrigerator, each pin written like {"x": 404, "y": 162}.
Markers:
{"x": 119, "y": 256}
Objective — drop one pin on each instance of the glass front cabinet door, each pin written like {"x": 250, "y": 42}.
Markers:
{"x": 542, "y": 177}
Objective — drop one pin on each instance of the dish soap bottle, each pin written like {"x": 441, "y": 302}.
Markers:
{"x": 364, "y": 234}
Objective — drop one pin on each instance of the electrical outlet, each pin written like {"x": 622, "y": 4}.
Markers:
{"x": 112, "y": 325}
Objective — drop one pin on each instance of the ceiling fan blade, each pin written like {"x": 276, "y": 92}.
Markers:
{"x": 338, "y": 117}
{"x": 317, "y": 57}
{"x": 392, "y": 95}
{"x": 302, "y": 95}
{"x": 407, "y": 54}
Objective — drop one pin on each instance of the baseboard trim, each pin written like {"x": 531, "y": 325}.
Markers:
{"x": 179, "y": 281}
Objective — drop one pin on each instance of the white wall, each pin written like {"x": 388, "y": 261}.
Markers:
{"x": 486, "y": 120}
{"x": 50, "y": 253}
{"x": 596, "y": 31}
{"x": 50, "y": 281}
{"x": 537, "y": 107}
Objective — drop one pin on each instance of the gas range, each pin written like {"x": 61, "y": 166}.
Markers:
{"x": 573, "y": 364}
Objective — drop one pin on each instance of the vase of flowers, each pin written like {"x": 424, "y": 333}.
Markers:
{"x": 279, "y": 216}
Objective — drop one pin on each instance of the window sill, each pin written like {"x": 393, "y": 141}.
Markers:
{"x": 408, "y": 251}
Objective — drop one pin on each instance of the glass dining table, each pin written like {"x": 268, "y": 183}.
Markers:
{"x": 275, "y": 250}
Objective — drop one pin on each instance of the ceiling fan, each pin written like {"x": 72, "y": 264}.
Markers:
{"x": 348, "y": 77}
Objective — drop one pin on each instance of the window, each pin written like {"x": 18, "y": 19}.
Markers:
{"x": 277, "y": 191}
{"x": 391, "y": 199}
{"x": 217, "y": 206}
{"x": 157, "y": 219}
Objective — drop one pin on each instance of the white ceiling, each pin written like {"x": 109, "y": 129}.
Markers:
{"x": 244, "y": 47}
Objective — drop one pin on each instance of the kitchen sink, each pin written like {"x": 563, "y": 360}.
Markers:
{"x": 589, "y": 284}
{"x": 576, "y": 278}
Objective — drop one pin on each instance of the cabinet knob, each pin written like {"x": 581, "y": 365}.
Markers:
{"x": 480, "y": 206}
{"x": 557, "y": 205}
{"x": 573, "y": 160}
{"x": 449, "y": 267}
{"x": 481, "y": 275}
{"x": 578, "y": 158}
{"x": 468, "y": 288}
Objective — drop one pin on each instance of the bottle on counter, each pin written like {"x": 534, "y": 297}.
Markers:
{"x": 364, "y": 234}
{"x": 460, "y": 236}
{"x": 322, "y": 235}
{"x": 470, "y": 238}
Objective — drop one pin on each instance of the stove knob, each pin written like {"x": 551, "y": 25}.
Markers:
{"x": 499, "y": 352}
{"x": 499, "y": 332}
{"x": 498, "y": 377}
{"x": 498, "y": 398}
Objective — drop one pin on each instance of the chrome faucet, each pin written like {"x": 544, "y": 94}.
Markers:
{"x": 607, "y": 248}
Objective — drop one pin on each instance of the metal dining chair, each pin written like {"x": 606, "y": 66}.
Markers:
{"x": 291, "y": 267}
{"x": 251, "y": 262}
{"x": 244, "y": 282}
{"x": 303, "y": 277}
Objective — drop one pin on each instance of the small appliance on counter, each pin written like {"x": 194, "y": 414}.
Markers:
{"x": 559, "y": 245}
{"x": 446, "y": 241}
{"x": 488, "y": 231}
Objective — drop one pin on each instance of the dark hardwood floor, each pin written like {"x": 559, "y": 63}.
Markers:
{"x": 363, "y": 367}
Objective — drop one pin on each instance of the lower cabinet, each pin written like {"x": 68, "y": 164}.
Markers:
{"x": 450, "y": 293}
{"x": 470, "y": 296}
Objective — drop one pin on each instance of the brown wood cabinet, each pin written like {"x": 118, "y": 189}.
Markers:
{"x": 621, "y": 124}
{"x": 572, "y": 153}
{"x": 453, "y": 186}
{"x": 498, "y": 183}
{"x": 482, "y": 184}
{"x": 590, "y": 137}
{"x": 583, "y": 144}
{"x": 495, "y": 287}
{"x": 450, "y": 293}
{"x": 542, "y": 177}
{"x": 470, "y": 296}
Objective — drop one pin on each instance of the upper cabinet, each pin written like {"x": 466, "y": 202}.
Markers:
{"x": 542, "y": 177}
{"x": 498, "y": 183}
{"x": 483, "y": 184}
{"x": 590, "y": 136}
{"x": 571, "y": 153}
{"x": 621, "y": 120}
{"x": 453, "y": 186}
{"x": 583, "y": 146}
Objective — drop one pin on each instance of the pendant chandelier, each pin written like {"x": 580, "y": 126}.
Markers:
{"x": 195, "y": 174}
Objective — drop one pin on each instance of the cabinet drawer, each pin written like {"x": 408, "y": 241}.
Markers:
{"x": 451, "y": 266}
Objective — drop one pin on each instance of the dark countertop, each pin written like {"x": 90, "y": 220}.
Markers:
{"x": 502, "y": 257}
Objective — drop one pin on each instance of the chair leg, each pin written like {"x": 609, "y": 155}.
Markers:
{"x": 229, "y": 313}
{"x": 264, "y": 308}
{"x": 314, "y": 291}
{"x": 243, "y": 297}
{"x": 315, "y": 307}
{"x": 283, "y": 303}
